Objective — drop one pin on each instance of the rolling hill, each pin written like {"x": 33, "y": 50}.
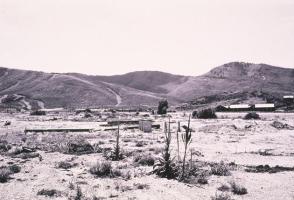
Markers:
{"x": 231, "y": 82}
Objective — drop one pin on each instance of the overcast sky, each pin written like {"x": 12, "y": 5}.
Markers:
{"x": 117, "y": 36}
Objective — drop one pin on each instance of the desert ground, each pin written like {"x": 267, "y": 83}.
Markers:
{"x": 227, "y": 155}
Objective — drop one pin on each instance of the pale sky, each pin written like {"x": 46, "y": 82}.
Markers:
{"x": 118, "y": 36}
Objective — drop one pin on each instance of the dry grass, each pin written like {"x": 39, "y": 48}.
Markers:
{"x": 221, "y": 196}
{"x": 49, "y": 192}
{"x": 220, "y": 169}
{"x": 102, "y": 169}
{"x": 238, "y": 189}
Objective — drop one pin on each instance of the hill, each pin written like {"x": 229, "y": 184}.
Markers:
{"x": 231, "y": 82}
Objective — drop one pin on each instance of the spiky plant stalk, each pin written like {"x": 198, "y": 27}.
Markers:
{"x": 117, "y": 147}
{"x": 165, "y": 167}
{"x": 178, "y": 142}
{"x": 167, "y": 141}
{"x": 191, "y": 159}
{"x": 187, "y": 138}
{"x": 165, "y": 128}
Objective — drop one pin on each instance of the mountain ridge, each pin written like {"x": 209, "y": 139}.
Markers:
{"x": 35, "y": 88}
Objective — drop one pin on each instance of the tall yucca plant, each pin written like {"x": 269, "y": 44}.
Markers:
{"x": 165, "y": 167}
{"x": 187, "y": 139}
{"x": 178, "y": 142}
{"x": 117, "y": 146}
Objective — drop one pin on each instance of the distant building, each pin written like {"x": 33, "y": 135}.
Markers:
{"x": 264, "y": 107}
{"x": 246, "y": 107}
{"x": 288, "y": 99}
{"x": 240, "y": 107}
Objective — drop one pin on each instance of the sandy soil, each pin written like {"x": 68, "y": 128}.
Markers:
{"x": 229, "y": 139}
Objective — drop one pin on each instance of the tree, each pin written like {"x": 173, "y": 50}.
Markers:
{"x": 162, "y": 107}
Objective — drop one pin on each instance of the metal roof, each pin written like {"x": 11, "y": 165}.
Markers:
{"x": 265, "y": 105}
{"x": 240, "y": 106}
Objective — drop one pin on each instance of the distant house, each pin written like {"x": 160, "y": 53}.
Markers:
{"x": 246, "y": 107}
{"x": 240, "y": 107}
{"x": 264, "y": 107}
{"x": 288, "y": 99}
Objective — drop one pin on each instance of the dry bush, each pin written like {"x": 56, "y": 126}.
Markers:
{"x": 252, "y": 115}
{"x": 48, "y": 192}
{"x": 76, "y": 146}
{"x": 14, "y": 168}
{"x": 237, "y": 188}
{"x": 4, "y": 146}
{"x": 141, "y": 186}
{"x": 102, "y": 169}
{"x": 79, "y": 194}
{"x": 268, "y": 169}
{"x": 220, "y": 169}
{"x": 4, "y": 174}
{"x": 66, "y": 164}
{"x": 224, "y": 188}
{"x": 205, "y": 114}
{"x": 140, "y": 143}
{"x": 221, "y": 196}
{"x": 156, "y": 150}
{"x": 144, "y": 159}
{"x": 6, "y": 171}
{"x": 38, "y": 112}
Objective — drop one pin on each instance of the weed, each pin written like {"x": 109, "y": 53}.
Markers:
{"x": 205, "y": 114}
{"x": 144, "y": 159}
{"x": 221, "y": 196}
{"x": 102, "y": 169}
{"x": 4, "y": 174}
{"x": 237, "y": 188}
{"x": 220, "y": 169}
{"x": 66, "y": 165}
{"x": 48, "y": 192}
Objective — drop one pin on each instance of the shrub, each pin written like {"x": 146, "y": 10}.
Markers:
{"x": 66, "y": 165}
{"x": 221, "y": 196}
{"x": 145, "y": 159}
{"x": 14, "y": 168}
{"x": 220, "y": 169}
{"x": 87, "y": 115}
{"x": 206, "y": 114}
{"x": 224, "y": 188}
{"x": 194, "y": 114}
{"x": 252, "y": 115}
{"x": 38, "y": 112}
{"x": 49, "y": 193}
{"x": 79, "y": 194}
{"x": 77, "y": 147}
{"x": 202, "y": 179}
{"x": 162, "y": 107}
{"x": 141, "y": 186}
{"x": 102, "y": 169}
{"x": 140, "y": 143}
{"x": 4, "y": 146}
{"x": 4, "y": 174}
{"x": 237, "y": 189}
